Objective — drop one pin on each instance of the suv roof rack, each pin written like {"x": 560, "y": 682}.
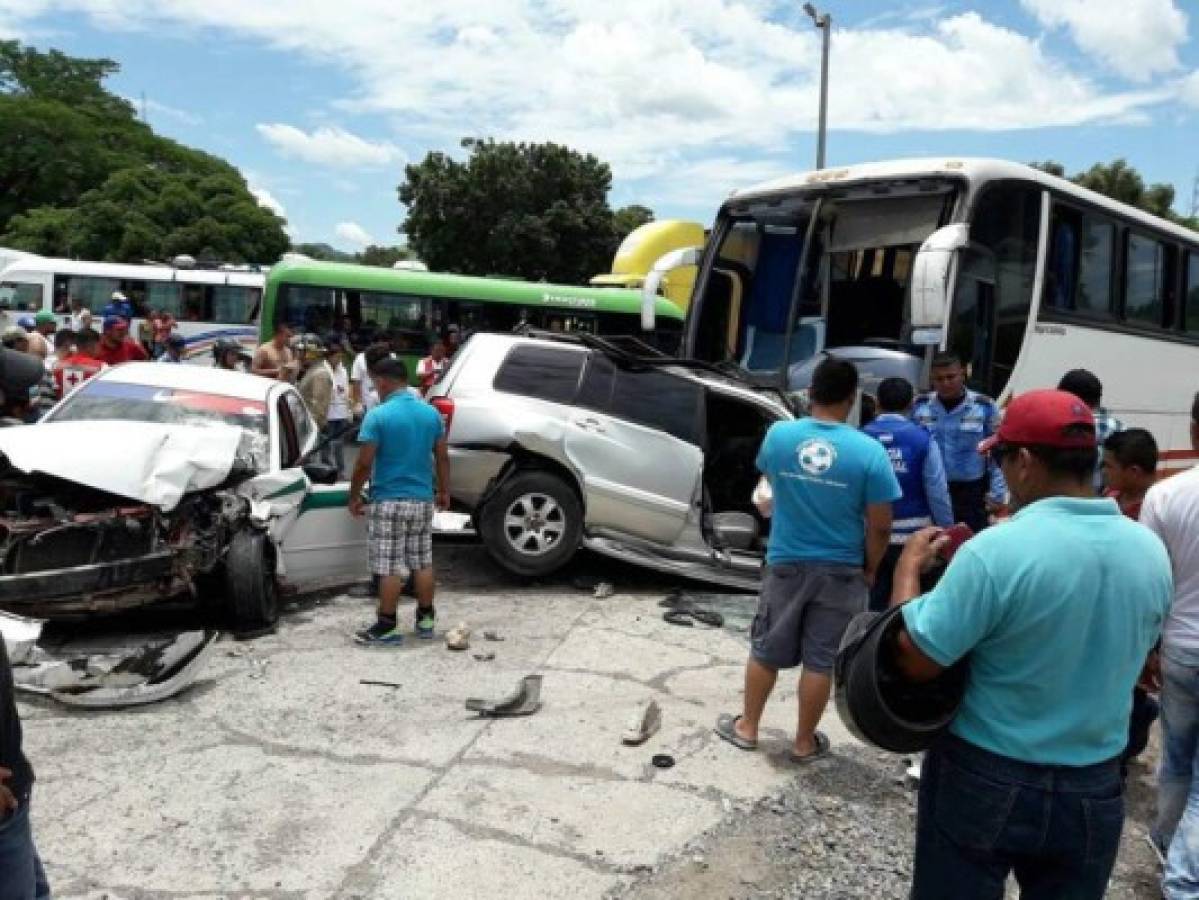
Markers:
{"x": 621, "y": 347}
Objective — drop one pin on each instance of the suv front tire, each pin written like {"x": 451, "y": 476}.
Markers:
{"x": 532, "y": 524}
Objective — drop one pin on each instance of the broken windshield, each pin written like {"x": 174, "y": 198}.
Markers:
{"x": 123, "y": 402}
{"x": 757, "y": 309}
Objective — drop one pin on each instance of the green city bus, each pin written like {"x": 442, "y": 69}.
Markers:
{"x": 411, "y": 307}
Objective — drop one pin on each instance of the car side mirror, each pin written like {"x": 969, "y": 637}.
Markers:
{"x": 932, "y": 276}
{"x": 321, "y": 473}
{"x": 675, "y": 259}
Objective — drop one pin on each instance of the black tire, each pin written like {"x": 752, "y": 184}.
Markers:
{"x": 250, "y": 587}
{"x": 540, "y": 548}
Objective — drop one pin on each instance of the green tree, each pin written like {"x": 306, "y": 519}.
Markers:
{"x": 1122, "y": 182}
{"x": 324, "y": 252}
{"x": 628, "y": 219}
{"x": 374, "y": 255}
{"x": 537, "y": 211}
{"x": 81, "y": 176}
{"x": 148, "y": 213}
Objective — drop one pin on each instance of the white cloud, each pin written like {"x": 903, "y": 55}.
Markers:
{"x": 329, "y": 146}
{"x": 706, "y": 87}
{"x": 1188, "y": 89}
{"x": 353, "y": 233}
{"x": 155, "y": 108}
{"x": 266, "y": 199}
{"x": 1134, "y": 38}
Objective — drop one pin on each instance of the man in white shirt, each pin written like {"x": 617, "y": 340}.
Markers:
{"x": 363, "y": 396}
{"x": 1171, "y": 510}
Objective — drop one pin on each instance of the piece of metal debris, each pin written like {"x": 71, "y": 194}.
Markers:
{"x": 645, "y": 721}
{"x": 524, "y": 701}
{"x": 458, "y": 638}
{"x": 371, "y": 681}
{"x": 20, "y": 636}
{"x": 111, "y": 681}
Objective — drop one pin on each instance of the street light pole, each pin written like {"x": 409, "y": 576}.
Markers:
{"x": 824, "y": 22}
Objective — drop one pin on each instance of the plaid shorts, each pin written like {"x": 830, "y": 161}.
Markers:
{"x": 399, "y": 536}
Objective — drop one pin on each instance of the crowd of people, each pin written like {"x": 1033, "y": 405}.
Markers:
{"x": 1036, "y": 542}
{"x": 1040, "y": 546}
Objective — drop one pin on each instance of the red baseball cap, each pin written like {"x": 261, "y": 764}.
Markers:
{"x": 1046, "y": 418}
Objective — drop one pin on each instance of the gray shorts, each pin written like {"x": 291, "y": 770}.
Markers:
{"x": 803, "y": 612}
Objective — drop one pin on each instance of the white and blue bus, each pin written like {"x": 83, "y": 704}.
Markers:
{"x": 1023, "y": 274}
{"x": 207, "y": 304}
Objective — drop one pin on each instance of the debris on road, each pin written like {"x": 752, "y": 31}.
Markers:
{"x": 524, "y": 701}
{"x": 604, "y": 590}
{"x": 20, "y": 636}
{"x": 485, "y": 657}
{"x": 458, "y": 638}
{"x": 492, "y": 636}
{"x": 373, "y": 683}
{"x": 646, "y": 720}
{"x": 111, "y": 681}
{"x": 663, "y": 761}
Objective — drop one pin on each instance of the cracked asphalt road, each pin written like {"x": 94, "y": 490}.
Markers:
{"x": 278, "y": 774}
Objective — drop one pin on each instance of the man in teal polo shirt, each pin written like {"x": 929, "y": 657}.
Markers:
{"x": 1056, "y": 612}
{"x": 401, "y": 439}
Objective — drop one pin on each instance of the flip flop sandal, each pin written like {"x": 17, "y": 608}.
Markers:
{"x": 726, "y": 727}
{"x": 823, "y": 749}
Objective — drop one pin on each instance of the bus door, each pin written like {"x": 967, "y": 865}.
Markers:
{"x": 988, "y": 321}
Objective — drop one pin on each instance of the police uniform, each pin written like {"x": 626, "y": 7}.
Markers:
{"x": 973, "y": 478}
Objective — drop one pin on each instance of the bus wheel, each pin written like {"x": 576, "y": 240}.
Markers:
{"x": 250, "y": 587}
{"x": 532, "y": 524}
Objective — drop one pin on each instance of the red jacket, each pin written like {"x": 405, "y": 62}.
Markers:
{"x": 73, "y": 370}
{"x": 127, "y": 351}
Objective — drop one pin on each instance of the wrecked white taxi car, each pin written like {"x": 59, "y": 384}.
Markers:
{"x": 156, "y": 481}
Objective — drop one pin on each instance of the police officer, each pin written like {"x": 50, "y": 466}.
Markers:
{"x": 959, "y": 419}
{"x": 916, "y": 460}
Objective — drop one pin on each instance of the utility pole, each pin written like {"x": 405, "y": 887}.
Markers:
{"x": 824, "y": 22}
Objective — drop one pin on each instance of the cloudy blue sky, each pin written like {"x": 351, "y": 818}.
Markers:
{"x": 321, "y": 103}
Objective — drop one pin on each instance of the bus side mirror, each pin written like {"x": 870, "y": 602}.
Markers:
{"x": 675, "y": 259}
{"x": 932, "y": 278}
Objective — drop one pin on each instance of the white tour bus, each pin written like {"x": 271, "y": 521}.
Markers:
{"x": 207, "y": 303}
{"x": 1022, "y": 274}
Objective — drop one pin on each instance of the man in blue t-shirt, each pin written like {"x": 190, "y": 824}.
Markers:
{"x": 1057, "y": 611}
{"x": 402, "y": 439}
{"x": 832, "y": 489}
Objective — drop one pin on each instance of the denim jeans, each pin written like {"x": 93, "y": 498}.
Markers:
{"x": 982, "y": 817}
{"x": 21, "y": 874}
{"x": 1177, "y": 828}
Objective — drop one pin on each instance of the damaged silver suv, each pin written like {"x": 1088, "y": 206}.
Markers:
{"x": 560, "y": 442}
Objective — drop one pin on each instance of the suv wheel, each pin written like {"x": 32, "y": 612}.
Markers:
{"x": 532, "y": 524}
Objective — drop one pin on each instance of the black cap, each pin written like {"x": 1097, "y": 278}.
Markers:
{"x": 390, "y": 367}
{"x": 19, "y": 372}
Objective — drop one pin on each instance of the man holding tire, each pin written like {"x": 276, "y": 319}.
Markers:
{"x": 402, "y": 439}
{"x": 1056, "y": 612}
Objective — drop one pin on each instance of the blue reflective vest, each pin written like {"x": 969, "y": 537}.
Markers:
{"x": 907, "y": 447}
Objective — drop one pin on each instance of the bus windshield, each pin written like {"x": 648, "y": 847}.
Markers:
{"x": 856, "y": 251}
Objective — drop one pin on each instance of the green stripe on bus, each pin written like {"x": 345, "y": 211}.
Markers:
{"x": 297, "y": 485}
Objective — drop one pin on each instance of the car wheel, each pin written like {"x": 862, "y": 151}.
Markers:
{"x": 532, "y": 524}
{"x": 250, "y": 586}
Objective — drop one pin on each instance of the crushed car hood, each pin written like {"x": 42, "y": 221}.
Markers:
{"x": 153, "y": 463}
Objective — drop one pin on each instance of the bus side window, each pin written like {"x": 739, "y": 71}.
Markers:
{"x": 1190, "y": 293}
{"x": 1061, "y": 273}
